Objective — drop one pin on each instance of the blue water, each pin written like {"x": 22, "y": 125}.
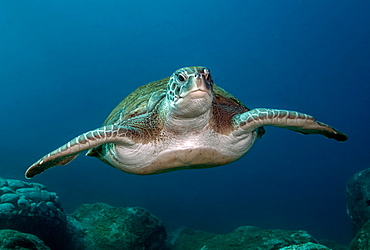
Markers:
{"x": 64, "y": 65}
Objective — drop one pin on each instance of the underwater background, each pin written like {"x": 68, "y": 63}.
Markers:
{"x": 64, "y": 65}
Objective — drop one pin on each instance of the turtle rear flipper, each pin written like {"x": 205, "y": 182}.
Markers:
{"x": 69, "y": 151}
{"x": 292, "y": 120}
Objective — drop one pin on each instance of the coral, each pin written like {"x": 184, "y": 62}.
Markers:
{"x": 31, "y": 208}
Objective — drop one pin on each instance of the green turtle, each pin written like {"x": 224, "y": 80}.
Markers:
{"x": 184, "y": 121}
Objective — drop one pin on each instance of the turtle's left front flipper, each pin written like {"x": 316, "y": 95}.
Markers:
{"x": 70, "y": 150}
{"x": 292, "y": 120}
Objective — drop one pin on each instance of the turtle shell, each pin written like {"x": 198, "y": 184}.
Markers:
{"x": 145, "y": 98}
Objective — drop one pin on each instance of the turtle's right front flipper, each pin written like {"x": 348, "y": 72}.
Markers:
{"x": 70, "y": 150}
{"x": 292, "y": 120}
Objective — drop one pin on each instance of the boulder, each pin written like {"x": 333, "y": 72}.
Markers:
{"x": 31, "y": 208}
{"x": 333, "y": 245}
{"x": 107, "y": 227}
{"x": 362, "y": 239}
{"x": 245, "y": 237}
{"x": 12, "y": 239}
{"x": 358, "y": 199}
{"x": 306, "y": 246}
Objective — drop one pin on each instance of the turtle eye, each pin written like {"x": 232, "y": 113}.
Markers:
{"x": 181, "y": 78}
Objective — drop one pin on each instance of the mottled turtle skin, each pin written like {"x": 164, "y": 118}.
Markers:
{"x": 184, "y": 121}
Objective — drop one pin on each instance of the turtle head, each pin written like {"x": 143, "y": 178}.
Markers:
{"x": 190, "y": 92}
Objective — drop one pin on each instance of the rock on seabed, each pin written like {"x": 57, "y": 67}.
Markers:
{"x": 12, "y": 239}
{"x": 245, "y": 237}
{"x": 358, "y": 199}
{"x": 107, "y": 227}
